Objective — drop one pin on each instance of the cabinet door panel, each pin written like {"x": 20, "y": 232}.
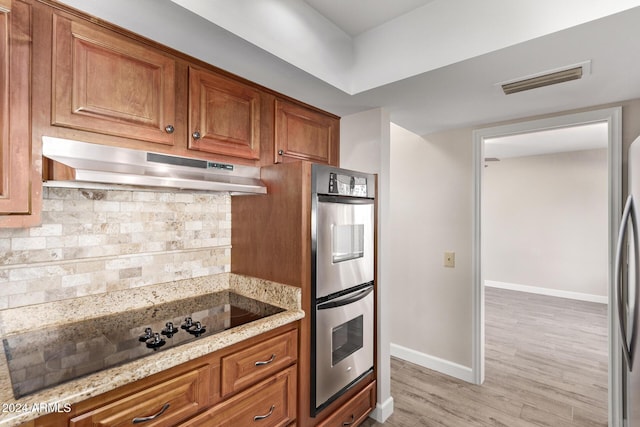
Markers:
{"x": 226, "y": 115}
{"x": 108, "y": 84}
{"x": 17, "y": 167}
{"x": 304, "y": 134}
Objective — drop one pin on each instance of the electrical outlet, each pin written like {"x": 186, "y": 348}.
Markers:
{"x": 449, "y": 259}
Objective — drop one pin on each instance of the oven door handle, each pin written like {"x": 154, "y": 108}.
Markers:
{"x": 349, "y": 299}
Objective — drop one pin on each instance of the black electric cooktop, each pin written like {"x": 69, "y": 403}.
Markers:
{"x": 46, "y": 357}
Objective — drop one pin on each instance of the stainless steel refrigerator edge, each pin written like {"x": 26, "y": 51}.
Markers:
{"x": 627, "y": 293}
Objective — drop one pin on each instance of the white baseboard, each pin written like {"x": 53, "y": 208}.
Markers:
{"x": 447, "y": 367}
{"x": 382, "y": 411}
{"x": 546, "y": 291}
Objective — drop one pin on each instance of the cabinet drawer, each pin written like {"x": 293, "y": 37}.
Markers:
{"x": 355, "y": 411}
{"x": 271, "y": 403}
{"x": 246, "y": 367}
{"x": 180, "y": 397}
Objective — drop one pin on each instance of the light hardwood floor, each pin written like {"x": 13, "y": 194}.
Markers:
{"x": 546, "y": 365}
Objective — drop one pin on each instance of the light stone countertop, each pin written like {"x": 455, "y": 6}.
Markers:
{"x": 14, "y": 321}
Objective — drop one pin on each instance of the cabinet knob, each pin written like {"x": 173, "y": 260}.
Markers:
{"x": 280, "y": 152}
{"x": 169, "y": 128}
{"x": 196, "y": 135}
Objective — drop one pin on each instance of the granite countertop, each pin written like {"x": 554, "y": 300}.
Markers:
{"x": 14, "y": 411}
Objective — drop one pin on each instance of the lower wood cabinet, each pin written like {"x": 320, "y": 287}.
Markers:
{"x": 271, "y": 403}
{"x": 355, "y": 410}
{"x": 164, "y": 404}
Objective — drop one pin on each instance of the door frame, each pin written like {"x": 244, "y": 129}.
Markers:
{"x": 613, "y": 117}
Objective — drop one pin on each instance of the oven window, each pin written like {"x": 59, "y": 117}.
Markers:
{"x": 347, "y": 242}
{"x": 346, "y": 339}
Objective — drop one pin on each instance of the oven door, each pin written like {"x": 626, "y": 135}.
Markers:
{"x": 343, "y": 344}
{"x": 344, "y": 243}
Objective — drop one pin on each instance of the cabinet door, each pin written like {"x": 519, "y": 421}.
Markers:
{"x": 20, "y": 167}
{"x": 106, "y": 83}
{"x": 224, "y": 116}
{"x": 305, "y": 134}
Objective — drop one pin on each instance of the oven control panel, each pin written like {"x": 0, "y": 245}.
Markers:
{"x": 347, "y": 185}
{"x": 330, "y": 180}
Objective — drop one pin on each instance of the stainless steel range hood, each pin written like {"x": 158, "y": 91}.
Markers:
{"x": 105, "y": 164}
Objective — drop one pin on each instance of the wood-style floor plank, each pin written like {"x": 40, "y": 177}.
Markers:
{"x": 545, "y": 365}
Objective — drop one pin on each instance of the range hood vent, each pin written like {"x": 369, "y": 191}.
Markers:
{"x": 105, "y": 164}
{"x": 547, "y": 78}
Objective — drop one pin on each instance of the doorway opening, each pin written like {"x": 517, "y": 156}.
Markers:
{"x": 611, "y": 118}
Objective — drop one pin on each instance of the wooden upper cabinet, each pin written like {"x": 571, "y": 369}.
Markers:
{"x": 224, "y": 116}
{"x": 106, "y": 83}
{"x": 305, "y": 134}
{"x": 20, "y": 166}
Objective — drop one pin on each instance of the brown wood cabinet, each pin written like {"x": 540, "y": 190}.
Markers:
{"x": 272, "y": 403}
{"x": 111, "y": 86}
{"x": 258, "y": 362}
{"x": 305, "y": 134}
{"x": 192, "y": 394}
{"x": 164, "y": 404}
{"x": 355, "y": 410}
{"x": 20, "y": 164}
{"x": 104, "y": 82}
{"x": 224, "y": 115}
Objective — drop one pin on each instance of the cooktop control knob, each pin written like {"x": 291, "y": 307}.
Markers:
{"x": 197, "y": 329}
{"x": 169, "y": 330}
{"x": 188, "y": 322}
{"x": 148, "y": 333}
{"x": 156, "y": 341}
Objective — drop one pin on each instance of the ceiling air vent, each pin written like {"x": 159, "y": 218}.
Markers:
{"x": 573, "y": 72}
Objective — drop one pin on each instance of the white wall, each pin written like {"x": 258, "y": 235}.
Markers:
{"x": 430, "y": 214}
{"x": 545, "y": 222}
{"x": 364, "y": 146}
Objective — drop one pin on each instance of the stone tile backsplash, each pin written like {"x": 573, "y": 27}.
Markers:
{"x": 96, "y": 241}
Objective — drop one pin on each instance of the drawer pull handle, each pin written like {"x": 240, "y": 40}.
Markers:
{"x": 262, "y": 417}
{"x": 266, "y": 362}
{"x": 139, "y": 420}
{"x": 348, "y": 423}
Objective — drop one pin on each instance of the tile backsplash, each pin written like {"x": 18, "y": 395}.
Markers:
{"x": 96, "y": 241}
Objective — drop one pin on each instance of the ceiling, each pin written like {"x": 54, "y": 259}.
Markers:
{"x": 354, "y": 17}
{"x": 433, "y": 65}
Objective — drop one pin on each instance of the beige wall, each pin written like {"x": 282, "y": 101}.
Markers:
{"x": 96, "y": 241}
{"x": 430, "y": 214}
{"x": 545, "y": 222}
{"x": 431, "y": 211}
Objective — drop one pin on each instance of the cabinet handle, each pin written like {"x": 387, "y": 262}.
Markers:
{"x": 266, "y": 362}
{"x": 262, "y": 417}
{"x": 280, "y": 152}
{"x": 348, "y": 423}
{"x": 169, "y": 128}
{"x": 196, "y": 135}
{"x": 150, "y": 417}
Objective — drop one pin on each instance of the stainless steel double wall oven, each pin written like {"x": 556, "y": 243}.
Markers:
{"x": 342, "y": 242}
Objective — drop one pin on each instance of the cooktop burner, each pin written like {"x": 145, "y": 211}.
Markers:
{"x": 50, "y": 356}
